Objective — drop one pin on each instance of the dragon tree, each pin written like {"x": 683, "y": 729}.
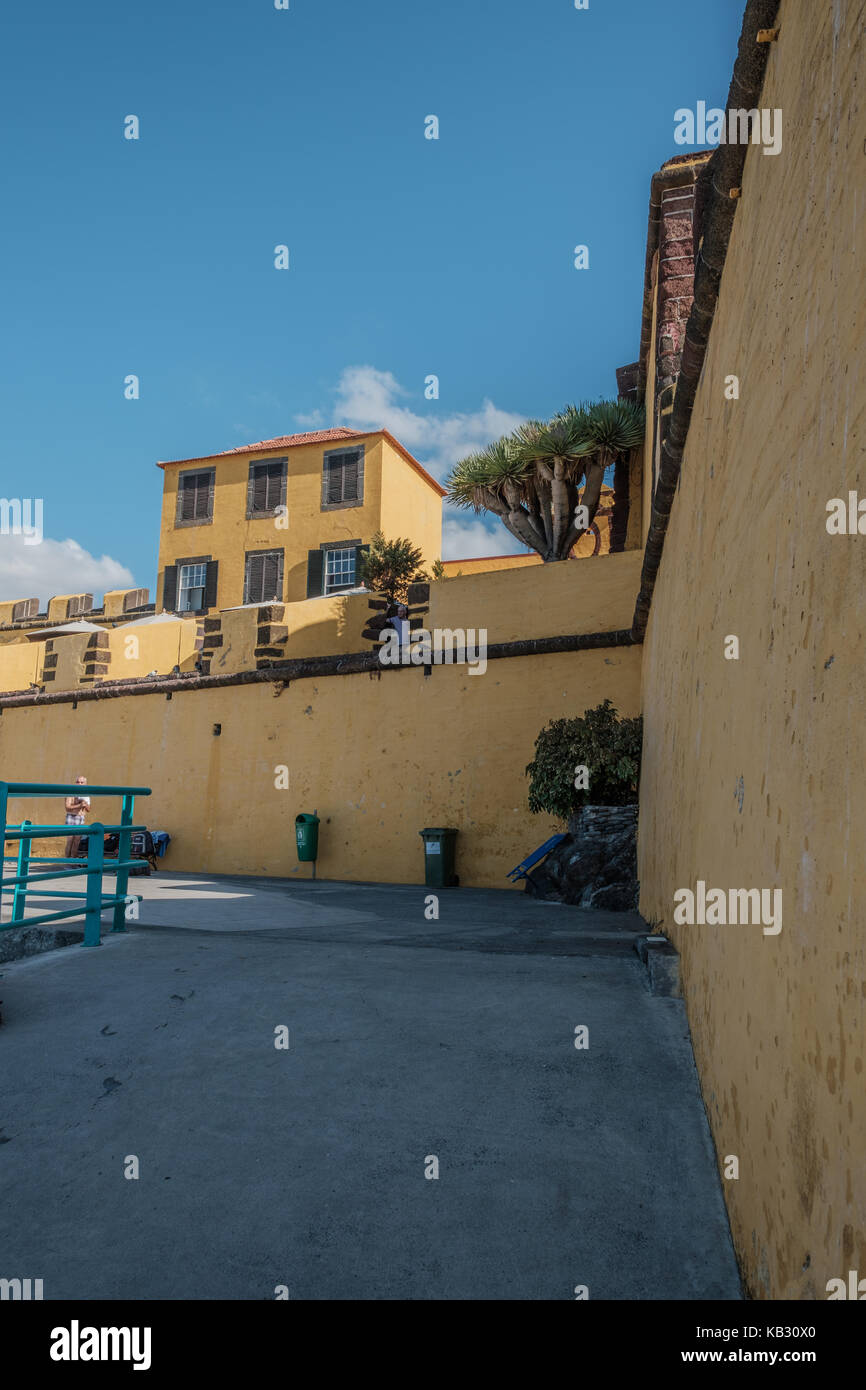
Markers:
{"x": 544, "y": 481}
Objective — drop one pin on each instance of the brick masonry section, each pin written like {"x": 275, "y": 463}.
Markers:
{"x": 676, "y": 268}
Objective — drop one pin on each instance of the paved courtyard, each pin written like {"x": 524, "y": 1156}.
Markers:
{"x": 409, "y": 1040}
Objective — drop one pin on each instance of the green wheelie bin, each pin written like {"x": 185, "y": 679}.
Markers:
{"x": 439, "y": 847}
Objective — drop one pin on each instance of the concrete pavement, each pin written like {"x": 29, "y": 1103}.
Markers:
{"x": 409, "y": 1040}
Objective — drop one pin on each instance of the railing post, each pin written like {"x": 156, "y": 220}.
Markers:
{"x": 19, "y": 897}
{"x": 95, "y": 865}
{"x": 4, "y": 794}
{"x": 123, "y": 851}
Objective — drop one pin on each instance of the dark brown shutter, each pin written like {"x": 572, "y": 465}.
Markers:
{"x": 202, "y": 497}
{"x": 195, "y": 500}
{"x": 274, "y": 486}
{"x": 210, "y": 584}
{"x": 350, "y": 478}
{"x": 169, "y": 588}
{"x": 315, "y": 573}
{"x": 266, "y": 487}
{"x": 335, "y": 480}
{"x": 271, "y": 587}
{"x": 253, "y": 579}
{"x": 260, "y": 489}
{"x": 187, "y": 498}
{"x": 264, "y": 490}
{"x": 263, "y": 577}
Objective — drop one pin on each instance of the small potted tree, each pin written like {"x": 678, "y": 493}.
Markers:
{"x": 585, "y": 773}
{"x": 393, "y": 571}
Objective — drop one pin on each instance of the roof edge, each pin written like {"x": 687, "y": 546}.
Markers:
{"x": 263, "y": 447}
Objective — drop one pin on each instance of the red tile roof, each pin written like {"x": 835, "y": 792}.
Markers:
{"x": 291, "y": 441}
{"x": 283, "y": 441}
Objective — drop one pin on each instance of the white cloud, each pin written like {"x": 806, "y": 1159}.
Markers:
{"x": 368, "y": 399}
{"x": 473, "y": 538}
{"x": 313, "y": 420}
{"x": 56, "y": 567}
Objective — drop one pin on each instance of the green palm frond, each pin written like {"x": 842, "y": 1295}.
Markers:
{"x": 559, "y": 438}
{"x": 488, "y": 470}
{"x": 615, "y": 426}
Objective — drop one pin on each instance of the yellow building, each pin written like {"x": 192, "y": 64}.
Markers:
{"x": 287, "y": 519}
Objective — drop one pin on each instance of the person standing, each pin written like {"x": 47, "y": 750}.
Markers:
{"x": 77, "y": 808}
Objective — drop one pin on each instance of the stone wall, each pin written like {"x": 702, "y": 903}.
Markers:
{"x": 595, "y": 866}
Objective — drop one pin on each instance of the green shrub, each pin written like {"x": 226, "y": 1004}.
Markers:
{"x": 608, "y": 746}
{"x": 389, "y": 567}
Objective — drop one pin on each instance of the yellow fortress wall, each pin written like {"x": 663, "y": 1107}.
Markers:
{"x": 20, "y": 664}
{"x": 138, "y": 648}
{"x": 550, "y": 600}
{"x": 378, "y": 756}
{"x": 753, "y": 773}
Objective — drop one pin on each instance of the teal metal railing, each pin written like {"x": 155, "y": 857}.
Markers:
{"x": 93, "y": 900}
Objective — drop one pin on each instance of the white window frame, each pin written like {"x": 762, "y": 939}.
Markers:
{"x": 331, "y": 559}
{"x": 185, "y": 588}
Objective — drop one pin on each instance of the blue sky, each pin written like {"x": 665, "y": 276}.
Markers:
{"x": 408, "y": 256}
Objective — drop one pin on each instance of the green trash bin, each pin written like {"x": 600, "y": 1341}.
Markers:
{"x": 439, "y": 847}
{"x": 307, "y": 831}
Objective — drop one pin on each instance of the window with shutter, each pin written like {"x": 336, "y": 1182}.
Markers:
{"x": 343, "y": 478}
{"x": 191, "y": 587}
{"x": 195, "y": 498}
{"x": 266, "y": 488}
{"x": 263, "y": 576}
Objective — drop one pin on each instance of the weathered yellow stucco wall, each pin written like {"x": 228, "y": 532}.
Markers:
{"x": 326, "y": 626}
{"x": 378, "y": 758}
{"x": 138, "y": 648}
{"x": 154, "y": 647}
{"x": 115, "y": 600}
{"x": 488, "y": 564}
{"x": 570, "y": 596}
{"x": 409, "y": 506}
{"x": 753, "y": 768}
{"x": 323, "y": 626}
{"x": 20, "y": 664}
{"x": 58, "y": 607}
{"x": 7, "y": 608}
{"x": 70, "y": 649}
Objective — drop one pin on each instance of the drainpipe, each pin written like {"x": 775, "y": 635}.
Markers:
{"x": 725, "y": 173}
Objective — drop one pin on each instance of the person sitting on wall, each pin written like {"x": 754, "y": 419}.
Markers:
{"x": 400, "y": 623}
{"x": 76, "y": 814}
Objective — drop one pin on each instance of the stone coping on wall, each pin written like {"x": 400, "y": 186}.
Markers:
{"x": 303, "y": 668}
